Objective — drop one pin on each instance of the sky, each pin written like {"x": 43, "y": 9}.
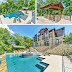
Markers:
{"x": 31, "y": 30}
{"x": 2, "y": 1}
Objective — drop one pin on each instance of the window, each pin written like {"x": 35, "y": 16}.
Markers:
{"x": 50, "y": 35}
{"x": 46, "y": 35}
{"x": 57, "y": 42}
{"x": 46, "y": 43}
{"x": 36, "y": 38}
{"x": 36, "y": 45}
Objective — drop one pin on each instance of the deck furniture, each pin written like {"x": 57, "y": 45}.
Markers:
{"x": 19, "y": 20}
{"x": 14, "y": 21}
{"x": 45, "y": 15}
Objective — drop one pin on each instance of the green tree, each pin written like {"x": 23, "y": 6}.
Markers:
{"x": 2, "y": 11}
{"x": 68, "y": 38}
{"x": 27, "y": 41}
{"x": 19, "y": 39}
{"x": 5, "y": 11}
{"x": 32, "y": 4}
{"x": 7, "y": 40}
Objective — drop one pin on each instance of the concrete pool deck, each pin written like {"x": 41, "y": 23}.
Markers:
{"x": 55, "y": 63}
{"x": 43, "y": 20}
{"x": 10, "y": 20}
{"x": 67, "y": 64}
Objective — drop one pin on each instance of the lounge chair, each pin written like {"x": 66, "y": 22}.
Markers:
{"x": 16, "y": 51}
{"x": 45, "y": 15}
{"x": 14, "y": 21}
{"x": 19, "y": 20}
{"x": 23, "y": 50}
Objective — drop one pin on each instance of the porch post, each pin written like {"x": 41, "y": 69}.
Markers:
{"x": 41, "y": 12}
{"x": 47, "y": 11}
{"x": 62, "y": 12}
{"x": 59, "y": 12}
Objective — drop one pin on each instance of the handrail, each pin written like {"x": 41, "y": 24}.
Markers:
{"x": 63, "y": 68}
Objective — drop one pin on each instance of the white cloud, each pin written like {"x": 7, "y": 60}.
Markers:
{"x": 2, "y": 1}
{"x": 5, "y": 26}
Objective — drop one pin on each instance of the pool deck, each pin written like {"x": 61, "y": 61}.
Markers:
{"x": 10, "y": 20}
{"x": 55, "y": 63}
{"x": 43, "y": 20}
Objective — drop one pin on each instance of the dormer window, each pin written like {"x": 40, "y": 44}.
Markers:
{"x": 46, "y": 34}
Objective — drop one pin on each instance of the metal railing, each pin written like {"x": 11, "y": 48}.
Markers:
{"x": 63, "y": 67}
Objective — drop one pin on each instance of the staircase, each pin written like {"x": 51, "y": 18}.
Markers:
{"x": 56, "y": 50}
{"x": 42, "y": 48}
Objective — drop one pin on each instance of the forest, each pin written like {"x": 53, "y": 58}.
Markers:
{"x": 66, "y": 3}
{"x": 7, "y": 40}
{"x": 14, "y": 5}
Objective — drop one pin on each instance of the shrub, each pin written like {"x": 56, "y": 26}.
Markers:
{"x": 1, "y": 51}
{"x": 11, "y": 10}
{"x": 8, "y": 10}
{"x": 2, "y": 11}
{"x": 5, "y": 11}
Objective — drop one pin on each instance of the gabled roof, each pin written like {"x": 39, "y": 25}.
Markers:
{"x": 59, "y": 32}
{"x": 51, "y": 30}
{"x": 18, "y": 47}
{"x": 25, "y": 7}
{"x": 53, "y": 6}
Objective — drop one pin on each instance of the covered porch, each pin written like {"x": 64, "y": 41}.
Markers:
{"x": 51, "y": 7}
{"x": 18, "y": 49}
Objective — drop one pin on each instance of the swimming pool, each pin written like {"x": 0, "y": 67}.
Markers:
{"x": 15, "y": 63}
{"x": 17, "y": 14}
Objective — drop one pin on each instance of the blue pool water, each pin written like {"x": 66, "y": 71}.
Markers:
{"x": 15, "y": 63}
{"x": 0, "y": 60}
{"x": 17, "y": 14}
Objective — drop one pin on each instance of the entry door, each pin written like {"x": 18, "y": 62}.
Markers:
{"x": 57, "y": 42}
